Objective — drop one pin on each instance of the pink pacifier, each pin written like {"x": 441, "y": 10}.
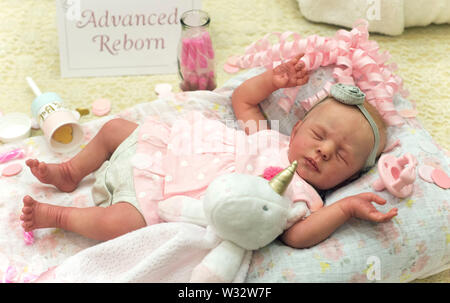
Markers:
{"x": 397, "y": 175}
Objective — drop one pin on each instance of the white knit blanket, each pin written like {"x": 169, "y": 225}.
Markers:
{"x": 389, "y": 17}
{"x": 166, "y": 252}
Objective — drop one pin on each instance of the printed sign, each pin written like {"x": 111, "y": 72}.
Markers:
{"x": 120, "y": 37}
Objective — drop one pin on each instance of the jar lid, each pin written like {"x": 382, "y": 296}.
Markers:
{"x": 14, "y": 126}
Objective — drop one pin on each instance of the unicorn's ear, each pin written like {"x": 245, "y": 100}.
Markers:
{"x": 182, "y": 209}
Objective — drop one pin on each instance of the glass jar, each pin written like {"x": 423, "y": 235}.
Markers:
{"x": 195, "y": 52}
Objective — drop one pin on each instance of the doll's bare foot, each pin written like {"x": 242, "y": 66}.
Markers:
{"x": 41, "y": 215}
{"x": 60, "y": 175}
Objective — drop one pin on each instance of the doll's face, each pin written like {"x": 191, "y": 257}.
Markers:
{"x": 331, "y": 144}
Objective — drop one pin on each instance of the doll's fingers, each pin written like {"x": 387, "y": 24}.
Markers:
{"x": 301, "y": 73}
{"x": 393, "y": 212}
{"x": 300, "y": 65}
{"x": 379, "y": 217}
{"x": 298, "y": 56}
{"x": 371, "y": 197}
{"x": 389, "y": 215}
{"x": 291, "y": 70}
{"x": 303, "y": 80}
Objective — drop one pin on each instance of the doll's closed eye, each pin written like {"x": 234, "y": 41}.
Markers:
{"x": 317, "y": 135}
{"x": 341, "y": 156}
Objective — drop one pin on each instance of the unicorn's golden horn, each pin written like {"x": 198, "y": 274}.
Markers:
{"x": 281, "y": 181}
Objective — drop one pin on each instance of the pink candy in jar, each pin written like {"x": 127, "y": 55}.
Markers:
{"x": 196, "y": 53}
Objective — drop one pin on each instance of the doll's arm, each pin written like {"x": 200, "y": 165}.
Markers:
{"x": 248, "y": 95}
{"x": 322, "y": 223}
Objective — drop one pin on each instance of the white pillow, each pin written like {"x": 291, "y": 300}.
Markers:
{"x": 385, "y": 16}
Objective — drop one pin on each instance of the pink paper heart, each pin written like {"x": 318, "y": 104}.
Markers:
{"x": 441, "y": 178}
{"x": 408, "y": 113}
{"x": 230, "y": 68}
{"x": 12, "y": 170}
{"x": 425, "y": 172}
{"x": 101, "y": 107}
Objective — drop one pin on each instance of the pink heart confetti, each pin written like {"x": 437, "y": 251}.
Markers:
{"x": 408, "y": 113}
{"x": 425, "y": 172}
{"x": 233, "y": 60}
{"x": 230, "y": 68}
{"x": 12, "y": 170}
{"x": 101, "y": 107}
{"x": 440, "y": 178}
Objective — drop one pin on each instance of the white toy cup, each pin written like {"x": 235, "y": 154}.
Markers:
{"x": 49, "y": 110}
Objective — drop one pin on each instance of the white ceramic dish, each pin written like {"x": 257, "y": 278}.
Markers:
{"x": 14, "y": 126}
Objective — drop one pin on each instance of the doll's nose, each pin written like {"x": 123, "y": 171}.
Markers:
{"x": 322, "y": 154}
{"x": 324, "y": 151}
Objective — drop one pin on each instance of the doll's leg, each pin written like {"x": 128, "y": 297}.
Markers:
{"x": 66, "y": 176}
{"x": 98, "y": 223}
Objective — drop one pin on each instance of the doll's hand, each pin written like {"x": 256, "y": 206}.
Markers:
{"x": 289, "y": 74}
{"x": 360, "y": 206}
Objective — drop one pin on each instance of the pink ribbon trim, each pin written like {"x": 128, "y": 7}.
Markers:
{"x": 358, "y": 61}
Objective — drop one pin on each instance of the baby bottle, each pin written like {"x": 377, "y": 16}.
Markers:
{"x": 195, "y": 52}
{"x": 59, "y": 124}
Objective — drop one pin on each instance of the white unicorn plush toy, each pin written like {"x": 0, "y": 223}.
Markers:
{"x": 243, "y": 213}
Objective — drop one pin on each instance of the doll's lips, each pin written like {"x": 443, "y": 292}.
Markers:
{"x": 312, "y": 164}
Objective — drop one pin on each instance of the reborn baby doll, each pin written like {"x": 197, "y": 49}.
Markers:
{"x": 137, "y": 166}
